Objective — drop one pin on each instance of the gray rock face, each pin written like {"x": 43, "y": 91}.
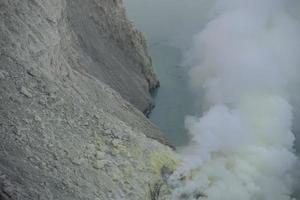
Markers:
{"x": 64, "y": 133}
{"x": 112, "y": 49}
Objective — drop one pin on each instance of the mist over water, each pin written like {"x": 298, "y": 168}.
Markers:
{"x": 244, "y": 62}
{"x": 247, "y": 60}
{"x": 169, "y": 26}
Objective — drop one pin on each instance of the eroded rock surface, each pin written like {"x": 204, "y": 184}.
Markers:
{"x": 64, "y": 133}
{"x": 112, "y": 50}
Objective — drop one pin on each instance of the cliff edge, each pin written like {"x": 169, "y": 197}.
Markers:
{"x": 112, "y": 50}
{"x": 66, "y": 130}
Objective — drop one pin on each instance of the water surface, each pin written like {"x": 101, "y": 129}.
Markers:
{"x": 169, "y": 26}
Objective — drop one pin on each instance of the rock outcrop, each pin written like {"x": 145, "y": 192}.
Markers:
{"x": 66, "y": 130}
{"x": 112, "y": 50}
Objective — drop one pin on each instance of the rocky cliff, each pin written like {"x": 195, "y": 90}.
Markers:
{"x": 70, "y": 71}
{"x": 112, "y": 50}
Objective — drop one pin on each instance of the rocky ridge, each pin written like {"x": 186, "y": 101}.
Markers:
{"x": 66, "y": 130}
{"x": 112, "y": 50}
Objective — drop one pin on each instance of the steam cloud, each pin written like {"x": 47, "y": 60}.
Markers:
{"x": 247, "y": 60}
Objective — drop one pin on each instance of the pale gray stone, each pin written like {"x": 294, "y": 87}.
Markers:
{"x": 25, "y": 92}
{"x": 3, "y": 74}
{"x": 63, "y": 62}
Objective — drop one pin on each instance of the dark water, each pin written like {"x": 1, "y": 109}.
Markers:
{"x": 169, "y": 26}
{"x": 173, "y": 100}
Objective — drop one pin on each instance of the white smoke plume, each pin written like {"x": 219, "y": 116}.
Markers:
{"x": 247, "y": 59}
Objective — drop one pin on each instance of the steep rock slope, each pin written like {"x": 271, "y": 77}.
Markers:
{"x": 64, "y": 133}
{"x": 112, "y": 49}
